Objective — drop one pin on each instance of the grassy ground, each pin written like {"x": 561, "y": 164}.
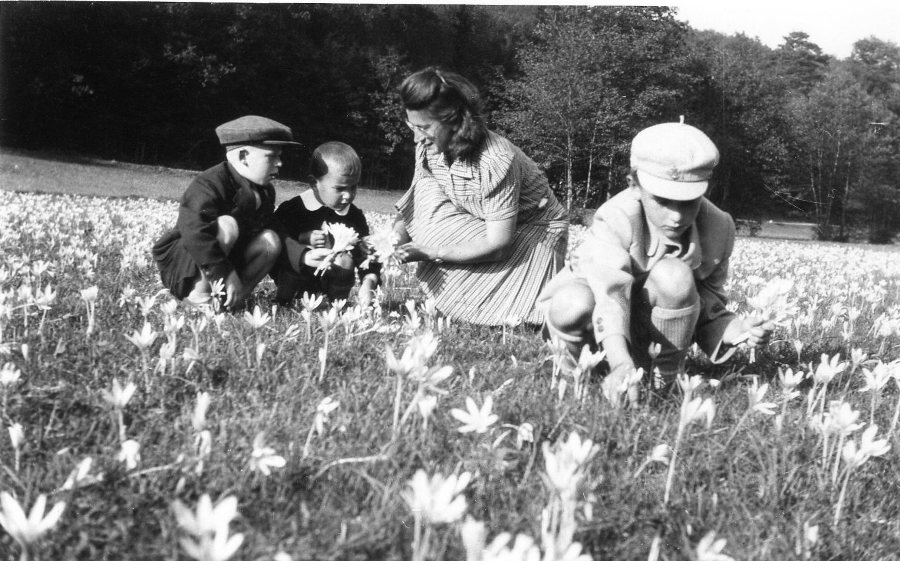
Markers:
{"x": 772, "y": 486}
{"x": 33, "y": 172}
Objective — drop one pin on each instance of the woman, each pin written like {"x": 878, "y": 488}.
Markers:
{"x": 480, "y": 218}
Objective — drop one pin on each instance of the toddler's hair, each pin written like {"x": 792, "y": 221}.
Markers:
{"x": 342, "y": 157}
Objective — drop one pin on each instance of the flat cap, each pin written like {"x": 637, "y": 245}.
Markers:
{"x": 253, "y": 129}
{"x": 674, "y": 160}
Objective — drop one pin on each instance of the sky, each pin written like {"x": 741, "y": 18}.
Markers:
{"x": 832, "y": 25}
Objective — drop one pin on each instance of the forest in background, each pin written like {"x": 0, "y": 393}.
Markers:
{"x": 802, "y": 135}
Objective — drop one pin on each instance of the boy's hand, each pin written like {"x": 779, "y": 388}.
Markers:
{"x": 318, "y": 238}
{"x": 759, "y": 331}
{"x": 315, "y": 257}
{"x": 752, "y": 330}
{"x": 234, "y": 290}
{"x": 621, "y": 373}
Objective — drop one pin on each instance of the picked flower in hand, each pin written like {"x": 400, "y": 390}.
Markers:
{"x": 345, "y": 239}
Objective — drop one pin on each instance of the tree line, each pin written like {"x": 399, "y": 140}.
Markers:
{"x": 802, "y": 135}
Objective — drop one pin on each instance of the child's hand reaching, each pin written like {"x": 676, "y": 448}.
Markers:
{"x": 753, "y": 330}
{"x": 318, "y": 238}
{"x": 315, "y": 257}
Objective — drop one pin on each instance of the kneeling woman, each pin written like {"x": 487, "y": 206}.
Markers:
{"x": 480, "y": 218}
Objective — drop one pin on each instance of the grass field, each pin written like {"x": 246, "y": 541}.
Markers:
{"x": 330, "y": 435}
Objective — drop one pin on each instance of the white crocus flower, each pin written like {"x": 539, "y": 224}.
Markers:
{"x": 198, "y": 419}
{"x": 208, "y": 518}
{"x": 828, "y": 369}
{"x": 426, "y": 407}
{"x": 144, "y": 338}
{"x": 16, "y": 435}
{"x": 437, "y": 499}
{"x": 876, "y": 379}
{"x": 710, "y": 549}
{"x": 208, "y": 528}
{"x": 564, "y": 462}
{"x": 756, "y": 393}
{"x": 474, "y": 535}
{"x": 9, "y": 375}
{"x": 80, "y": 474}
{"x": 311, "y": 302}
{"x": 130, "y": 453}
{"x": 89, "y": 295}
{"x": 524, "y": 433}
{"x": 28, "y": 530}
{"x": 523, "y": 549}
{"x": 475, "y": 419}
{"x": 323, "y": 409}
{"x": 661, "y": 453}
{"x": 118, "y": 396}
{"x": 263, "y": 458}
{"x": 257, "y": 319}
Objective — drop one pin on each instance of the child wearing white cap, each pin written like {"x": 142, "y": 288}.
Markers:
{"x": 649, "y": 277}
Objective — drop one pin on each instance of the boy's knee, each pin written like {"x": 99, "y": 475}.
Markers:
{"x": 270, "y": 243}
{"x": 266, "y": 244}
{"x": 228, "y": 232}
{"x": 571, "y": 308}
{"x": 671, "y": 284}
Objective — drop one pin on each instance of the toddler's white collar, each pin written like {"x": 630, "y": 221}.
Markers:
{"x": 312, "y": 203}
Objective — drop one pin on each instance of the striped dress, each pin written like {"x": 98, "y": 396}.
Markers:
{"x": 449, "y": 205}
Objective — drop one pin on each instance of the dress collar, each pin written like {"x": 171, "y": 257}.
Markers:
{"x": 463, "y": 169}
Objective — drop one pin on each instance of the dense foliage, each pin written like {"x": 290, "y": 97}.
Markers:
{"x": 802, "y": 135}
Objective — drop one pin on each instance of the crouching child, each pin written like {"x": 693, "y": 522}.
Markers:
{"x": 313, "y": 225}
{"x": 648, "y": 279}
{"x": 221, "y": 232}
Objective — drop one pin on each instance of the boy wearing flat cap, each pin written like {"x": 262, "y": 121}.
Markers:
{"x": 220, "y": 233}
{"x": 651, "y": 271}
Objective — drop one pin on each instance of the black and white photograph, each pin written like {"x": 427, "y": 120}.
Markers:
{"x": 449, "y": 282}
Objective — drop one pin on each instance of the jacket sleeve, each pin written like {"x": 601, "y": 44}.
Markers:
{"x": 285, "y": 222}
{"x": 603, "y": 260}
{"x": 201, "y": 206}
{"x": 714, "y": 315}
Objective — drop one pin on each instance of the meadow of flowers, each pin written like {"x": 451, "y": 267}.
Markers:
{"x": 137, "y": 428}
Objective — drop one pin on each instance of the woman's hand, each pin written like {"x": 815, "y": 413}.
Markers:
{"x": 410, "y": 252}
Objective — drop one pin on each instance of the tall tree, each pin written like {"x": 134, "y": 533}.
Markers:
{"x": 740, "y": 105}
{"x": 590, "y": 77}
{"x": 801, "y": 63}
{"x": 835, "y": 140}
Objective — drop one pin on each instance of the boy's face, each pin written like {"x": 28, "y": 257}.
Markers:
{"x": 260, "y": 164}
{"x": 336, "y": 189}
{"x": 672, "y": 218}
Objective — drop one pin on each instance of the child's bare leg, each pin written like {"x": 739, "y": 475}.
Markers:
{"x": 671, "y": 293}
{"x": 569, "y": 316}
{"x": 261, "y": 254}
{"x": 227, "y": 236}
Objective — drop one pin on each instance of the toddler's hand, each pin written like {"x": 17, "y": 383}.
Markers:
{"x": 315, "y": 257}
{"x": 318, "y": 238}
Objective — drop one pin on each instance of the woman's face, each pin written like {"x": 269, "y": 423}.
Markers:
{"x": 434, "y": 134}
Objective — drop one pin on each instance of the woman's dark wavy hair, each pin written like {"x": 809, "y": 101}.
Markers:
{"x": 451, "y": 99}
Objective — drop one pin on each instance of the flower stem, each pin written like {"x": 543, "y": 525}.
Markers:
{"x": 670, "y": 476}
{"x": 840, "y": 503}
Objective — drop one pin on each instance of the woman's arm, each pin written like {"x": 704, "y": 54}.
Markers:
{"x": 496, "y": 246}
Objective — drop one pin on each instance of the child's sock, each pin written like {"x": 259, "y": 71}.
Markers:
{"x": 676, "y": 328}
